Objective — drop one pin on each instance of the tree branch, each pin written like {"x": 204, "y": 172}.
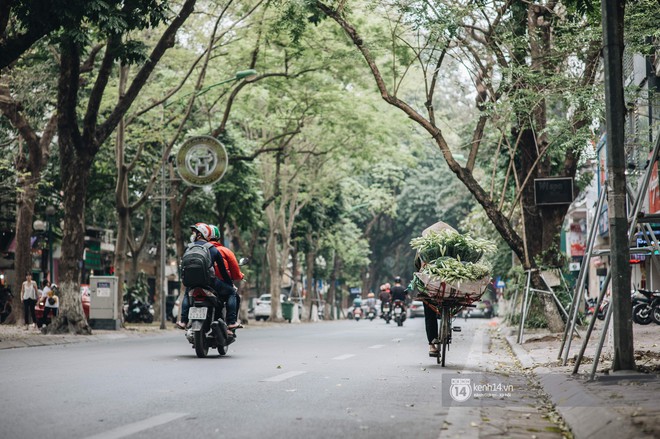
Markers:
{"x": 166, "y": 41}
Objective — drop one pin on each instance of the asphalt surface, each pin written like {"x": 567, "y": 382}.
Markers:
{"x": 330, "y": 379}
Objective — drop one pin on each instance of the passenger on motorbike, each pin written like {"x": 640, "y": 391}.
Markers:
{"x": 399, "y": 292}
{"x": 232, "y": 269}
{"x": 385, "y": 296}
{"x": 201, "y": 234}
{"x": 371, "y": 301}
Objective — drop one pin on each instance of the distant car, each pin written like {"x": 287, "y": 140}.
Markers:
{"x": 262, "y": 307}
{"x": 483, "y": 309}
{"x": 416, "y": 309}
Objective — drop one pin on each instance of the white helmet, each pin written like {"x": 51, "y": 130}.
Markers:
{"x": 203, "y": 229}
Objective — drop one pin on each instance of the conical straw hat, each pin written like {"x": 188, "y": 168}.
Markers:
{"x": 438, "y": 227}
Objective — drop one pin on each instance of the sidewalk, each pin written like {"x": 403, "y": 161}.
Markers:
{"x": 615, "y": 405}
{"x": 12, "y": 336}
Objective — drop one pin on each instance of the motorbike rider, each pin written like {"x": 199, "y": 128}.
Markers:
{"x": 201, "y": 234}
{"x": 232, "y": 269}
{"x": 399, "y": 292}
{"x": 385, "y": 296}
{"x": 371, "y": 301}
{"x": 357, "y": 303}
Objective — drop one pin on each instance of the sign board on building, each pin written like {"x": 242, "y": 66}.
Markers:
{"x": 654, "y": 190}
{"x": 549, "y": 191}
{"x": 574, "y": 266}
{"x": 201, "y": 161}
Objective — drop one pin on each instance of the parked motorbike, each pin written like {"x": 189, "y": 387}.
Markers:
{"x": 602, "y": 310}
{"x": 138, "y": 312}
{"x": 399, "y": 312}
{"x": 387, "y": 313}
{"x": 357, "y": 313}
{"x": 371, "y": 315}
{"x": 590, "y": 306}
{"x": 646, "y": 307}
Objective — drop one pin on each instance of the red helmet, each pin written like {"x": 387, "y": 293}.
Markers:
{"x": 204, "y": 229}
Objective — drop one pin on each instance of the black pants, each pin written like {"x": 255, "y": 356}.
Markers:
{"x": 431, "y": 321}
{"x": 28, "y": 310}
{"x": 47, "y": 310}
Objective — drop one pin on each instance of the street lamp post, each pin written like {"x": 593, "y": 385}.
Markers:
{"x": 163, "y": 197}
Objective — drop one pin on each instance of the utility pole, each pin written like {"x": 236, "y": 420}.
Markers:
{"x": 613, "y": 14}
{"x": 163, "y": 243}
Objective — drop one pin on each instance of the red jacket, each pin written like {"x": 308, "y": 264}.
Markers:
{"x": 231, "y": 264}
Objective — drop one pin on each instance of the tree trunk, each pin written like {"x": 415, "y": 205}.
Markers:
{"x": 332, "y": 291}
{"x": 295, "y": 275}
{"x": 123, "y": 223}
{"x": 312, "y": 297}
{"x": 23, "y": 257}
{"x": 275, "y": 279}
{"x": 121, "y": 200}
{"x": 75, "y": 176}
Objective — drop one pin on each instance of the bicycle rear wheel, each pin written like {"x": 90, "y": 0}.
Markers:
{"x": 444, "y": 335}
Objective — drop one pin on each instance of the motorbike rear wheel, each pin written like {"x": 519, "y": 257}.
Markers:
{"x": 642, "y": 314}
{"x": 655, "y": 313}
{"x": 201, "y": 347}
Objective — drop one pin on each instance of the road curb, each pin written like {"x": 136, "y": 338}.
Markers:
{"x": 36, "y": 340}
{"x": 585, "y": 415}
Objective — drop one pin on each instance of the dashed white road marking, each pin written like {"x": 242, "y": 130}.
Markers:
{"x": 284, "y": 376}
{"x": 130, "y": 429}
{"x": 344, "y": 357}
{"x": 377, "y": 346}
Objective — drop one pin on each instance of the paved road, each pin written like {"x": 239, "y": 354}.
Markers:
{"x": 331, "y": 379}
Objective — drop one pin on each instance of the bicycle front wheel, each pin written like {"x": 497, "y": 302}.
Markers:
{"x": 445, "y": 335}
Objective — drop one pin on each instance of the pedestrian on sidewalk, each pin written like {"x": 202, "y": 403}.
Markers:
{"x": 51, "y": 305}
{"x": 45, "y": 289}
{"x": 29, "y": 298}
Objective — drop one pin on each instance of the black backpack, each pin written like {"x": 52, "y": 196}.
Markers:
{"x": 196, "y": 265}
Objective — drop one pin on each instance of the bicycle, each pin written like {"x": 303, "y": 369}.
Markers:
{"x": 446, "y": 309}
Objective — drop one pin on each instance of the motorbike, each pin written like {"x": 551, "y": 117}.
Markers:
{"x": 371, "y": 315}
{"x": 399, "y": 312}
{"x": 386, "y": 313}
{"x": 207, "y": 325}
{"x": 602, "y": 310}
{"x": 357, "y": 313}
{"x": 138, "y": 312}
{"x": 590, "y": 306}
{"x": 646, "y": 307}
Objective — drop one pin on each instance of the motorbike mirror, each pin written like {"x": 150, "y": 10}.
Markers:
{"x": 243, "y": 261}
